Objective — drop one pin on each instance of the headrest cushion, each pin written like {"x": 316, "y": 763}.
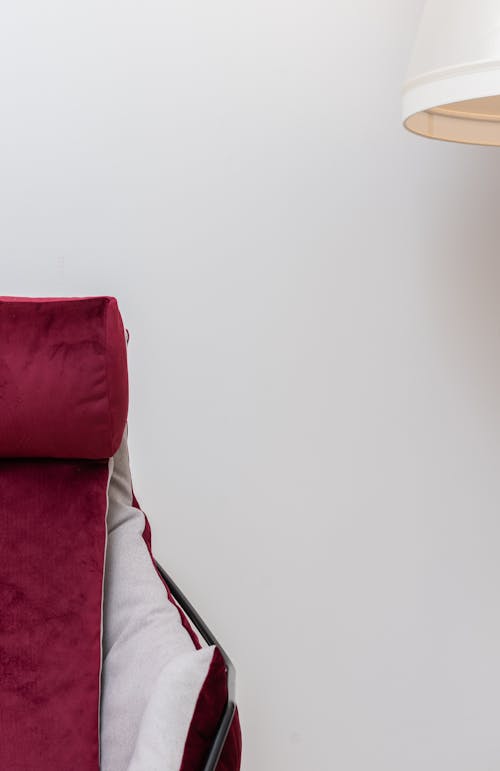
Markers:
{"x": 63, "y": 377}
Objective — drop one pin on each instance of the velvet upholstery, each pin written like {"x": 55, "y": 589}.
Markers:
{"x": 63, "y": 378}
{"x": 230, "y": 760}
{"x": 53, "y": 516}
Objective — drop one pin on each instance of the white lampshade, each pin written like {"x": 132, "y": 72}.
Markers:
{"x": 452, "y": 89}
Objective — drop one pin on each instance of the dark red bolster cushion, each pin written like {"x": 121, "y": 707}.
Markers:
{"x": 63, "y": 377}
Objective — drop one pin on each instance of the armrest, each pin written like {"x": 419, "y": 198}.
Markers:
{"x": 227, "y": 717}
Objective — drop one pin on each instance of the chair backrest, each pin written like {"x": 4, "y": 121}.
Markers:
{"x": 63, "y": 410}
{"x": 99, "y": 666}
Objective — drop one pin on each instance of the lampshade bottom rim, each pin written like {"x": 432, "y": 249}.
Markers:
{"x": 454, "y": 128}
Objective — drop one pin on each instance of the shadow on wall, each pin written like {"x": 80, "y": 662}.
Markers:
{"x": 462, "y": 268}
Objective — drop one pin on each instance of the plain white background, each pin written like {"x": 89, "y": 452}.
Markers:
{"x": 313, "y": 297}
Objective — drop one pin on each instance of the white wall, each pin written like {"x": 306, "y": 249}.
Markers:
{"x": 313, "y": 299}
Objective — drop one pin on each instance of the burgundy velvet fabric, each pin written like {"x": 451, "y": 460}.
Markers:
{"x": 230, "y": 759}
{"x": 63, "y": 377}
{"x": 53, "y": 535}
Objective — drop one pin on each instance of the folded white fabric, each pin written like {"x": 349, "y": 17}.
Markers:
{"x": 171, "y": 705}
